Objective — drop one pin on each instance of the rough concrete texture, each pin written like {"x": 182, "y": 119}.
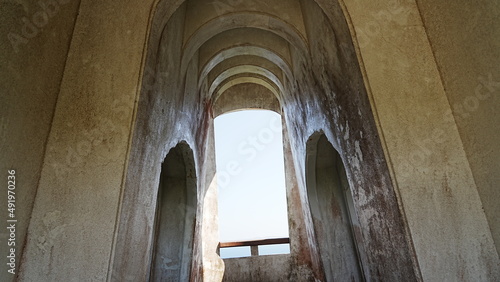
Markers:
{"x": 175, "y": 217}
{"x": 260, "y": 268}
{"x": 213, "y": 266}
{"x": 246, "y": 96}
{"x": 472, "y": 85}
{"x": 327, "y": 190}
{"x": 71, "y": 228}
{"x": 133, "y": 79}
{"x": 30, "y": 85}
{"x": 438, "y": 192}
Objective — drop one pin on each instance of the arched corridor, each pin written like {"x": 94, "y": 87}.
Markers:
{"x": 273, "y": 52}
{"x": 128, "y": 111}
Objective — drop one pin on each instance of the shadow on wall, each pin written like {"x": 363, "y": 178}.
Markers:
{"x": 175, "y": 217}
{"x": 335, "y": 221}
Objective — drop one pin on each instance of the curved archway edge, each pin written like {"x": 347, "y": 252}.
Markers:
{"x": 395, "y": 220}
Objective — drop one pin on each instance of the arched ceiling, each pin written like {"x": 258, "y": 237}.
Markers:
{"x": 243, "y": 42}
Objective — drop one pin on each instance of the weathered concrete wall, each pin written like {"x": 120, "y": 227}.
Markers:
{"x": 245, "y": 96}
{"x": 163, "y": 120}
{"x": 175, "y": 217}
{"x": 34, "y": 42}
{"x": 435, "y": 183}
{"x": 303, "y": 247}
{"x": 260, "y": 268}
{"x": 330, "y": 96}
{"x": 333, "y": 226}
{"x": 170, "y": 110}
{"x": 71, "y": 230}
{"x": 309, "y": 109}
{"x": 465, "y": 40}
{"x": 213, "y": 265}
{"x": 201, "y": 11}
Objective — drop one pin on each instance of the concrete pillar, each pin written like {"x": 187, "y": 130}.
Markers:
{"x": 421, "y": 139}
{"x": 72, "y": 226}
{"x": 33, "y": 59}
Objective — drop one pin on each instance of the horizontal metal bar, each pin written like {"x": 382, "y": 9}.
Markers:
{"x": 275, "y": 241}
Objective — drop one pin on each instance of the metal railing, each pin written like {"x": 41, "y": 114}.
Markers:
{"x": 254, "y": 244}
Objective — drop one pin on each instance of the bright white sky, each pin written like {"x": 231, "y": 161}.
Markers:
{"x": 252, "y": 196}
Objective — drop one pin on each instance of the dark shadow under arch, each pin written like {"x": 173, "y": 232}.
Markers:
{"x": 175, "y": 217}
{"x": 332, "y": 210}
{"x": 388, "y": 259}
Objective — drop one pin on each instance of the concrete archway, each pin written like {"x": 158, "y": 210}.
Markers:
{"x": 172, "y": 249}
{"x": 322, "y": 90}
{"x": 335, "y": 220}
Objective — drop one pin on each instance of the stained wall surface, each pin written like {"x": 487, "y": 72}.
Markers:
{"x": 471, "y": 32}
{"x": 34, "y": 43}
{"x": 325, "y": 180}
{"x": 437, "y": 189}
{"x": 262, "y": 268}
{"x": 71, "y": 226}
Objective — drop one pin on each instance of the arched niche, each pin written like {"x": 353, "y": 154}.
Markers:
{"x": 172, "y": 249}
{"x": 332, "y": 210}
